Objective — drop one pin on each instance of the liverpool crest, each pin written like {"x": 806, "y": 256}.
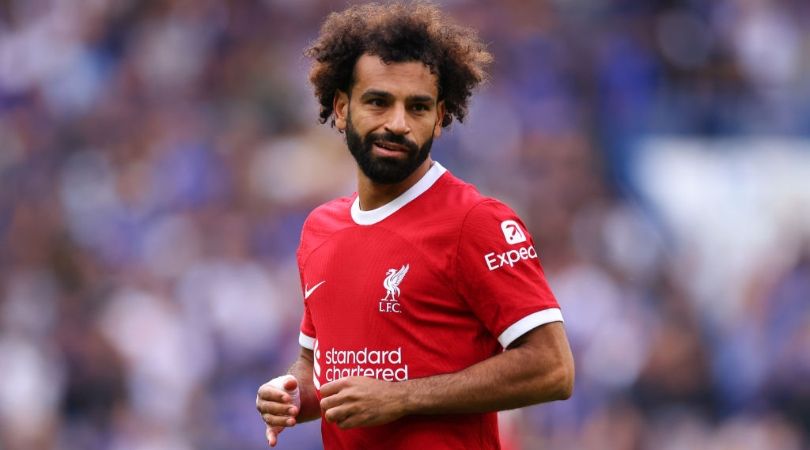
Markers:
{"x": 393, "y": 277}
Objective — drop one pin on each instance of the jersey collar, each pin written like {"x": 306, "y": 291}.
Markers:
{"x": 373, "y": 216}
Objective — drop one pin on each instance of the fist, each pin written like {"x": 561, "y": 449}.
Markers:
{"x": 278, "y": 402}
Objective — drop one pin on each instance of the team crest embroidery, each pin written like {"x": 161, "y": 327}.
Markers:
{"x": 393, "y": 277}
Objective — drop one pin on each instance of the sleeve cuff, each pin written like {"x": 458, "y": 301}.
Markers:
{"x": 306, "y": 341}
{"x": 527, "y": 324}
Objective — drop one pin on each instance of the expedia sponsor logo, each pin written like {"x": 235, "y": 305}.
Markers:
{"x": 383, "y": 365}
{"x": 512, "y": 232}
{"x": 509, "y": 258}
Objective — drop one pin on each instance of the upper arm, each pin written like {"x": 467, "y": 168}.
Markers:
{"x": 306, "y": 356}
{"x": 303, "y": 366}
{"x": 547, "y": 348}
{"x": 546, "y": 338}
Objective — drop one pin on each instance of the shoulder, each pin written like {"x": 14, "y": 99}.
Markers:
{"x": 323, "y": 222}
{"x": 329, "y": 215}
{"x": 468, "y": 217}
{"x": 454, "y": 195}
{"x": 465, "y": 199}
{"x": 483, "y": 220}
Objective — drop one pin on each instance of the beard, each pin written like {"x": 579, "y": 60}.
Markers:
{"x": 381, "y": 169}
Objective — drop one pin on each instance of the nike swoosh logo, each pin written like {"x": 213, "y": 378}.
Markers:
{"x": 309, "y": 291}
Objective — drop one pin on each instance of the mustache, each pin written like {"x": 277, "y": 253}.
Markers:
{"x": 387, "y": 136}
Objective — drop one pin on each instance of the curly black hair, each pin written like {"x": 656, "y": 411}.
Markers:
{"x": 398, "y": 32}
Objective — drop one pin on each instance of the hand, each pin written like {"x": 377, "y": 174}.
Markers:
{"x": 361, "y": 402}
{"x": 278, "y": 402}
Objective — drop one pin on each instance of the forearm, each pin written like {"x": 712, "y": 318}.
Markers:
{"x": 536, "y": 371}
{"x": 302, "y": 371}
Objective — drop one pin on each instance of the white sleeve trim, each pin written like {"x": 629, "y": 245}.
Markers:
{"x": 306, "y": 341}
{"x": 529, "y": 323}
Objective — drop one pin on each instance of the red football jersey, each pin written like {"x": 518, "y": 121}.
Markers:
{"x": 431, "y": 283}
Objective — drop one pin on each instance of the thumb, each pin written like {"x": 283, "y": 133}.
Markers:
{"x": 290, "y": 384}
{"x": 271, "y": 433}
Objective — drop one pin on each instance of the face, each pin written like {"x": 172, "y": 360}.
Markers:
{"x": 390, "y": 117}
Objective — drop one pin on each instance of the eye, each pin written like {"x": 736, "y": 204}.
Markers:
{"x": 420, "y": 107}
{"x": 378, "y": 102}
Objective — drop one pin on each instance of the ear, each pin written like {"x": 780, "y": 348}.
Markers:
{"x": 340, "y": 106}
{"x": 440, "y": 110}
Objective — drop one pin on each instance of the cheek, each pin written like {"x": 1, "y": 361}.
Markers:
{"x": 364, "y": 123}
{"x": 427, "y": 129}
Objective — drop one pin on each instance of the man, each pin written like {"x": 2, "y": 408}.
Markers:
{"x": 425, "y": 306}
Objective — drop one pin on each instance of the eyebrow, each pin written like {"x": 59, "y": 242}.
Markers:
{"x": 376, "y": 93}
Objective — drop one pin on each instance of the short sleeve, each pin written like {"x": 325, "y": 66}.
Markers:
{"x": 307, "y": 335}
{"x": 499, "y": 275}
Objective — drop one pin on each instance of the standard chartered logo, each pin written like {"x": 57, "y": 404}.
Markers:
{"x": 383, "y": 365}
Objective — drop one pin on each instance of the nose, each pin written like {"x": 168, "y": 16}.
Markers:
{"x": 397, "y": 123}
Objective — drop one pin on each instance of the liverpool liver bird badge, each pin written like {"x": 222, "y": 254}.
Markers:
{"x": 391, "y": 283}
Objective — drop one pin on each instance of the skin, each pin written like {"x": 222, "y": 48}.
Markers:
{"x": 276, "y": 407}
{"x": 402, "y": 98}
{"x": 538, "y": 367}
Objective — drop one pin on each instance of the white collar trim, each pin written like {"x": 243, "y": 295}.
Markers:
{"x": 373, "y": 216}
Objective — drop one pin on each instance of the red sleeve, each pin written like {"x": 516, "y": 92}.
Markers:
{"x": 498, "y": 273}
{"x": 307, "y": 335}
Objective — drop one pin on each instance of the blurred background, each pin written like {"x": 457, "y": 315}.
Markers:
{"x": 158, "y": 158}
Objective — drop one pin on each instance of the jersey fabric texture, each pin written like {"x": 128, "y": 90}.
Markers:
{"x": 431, "y": 283}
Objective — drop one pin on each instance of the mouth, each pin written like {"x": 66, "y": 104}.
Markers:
{"x": 384, "y": 148}
{"x": 391, "y": 146}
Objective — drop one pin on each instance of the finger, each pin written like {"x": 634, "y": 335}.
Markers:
{"x": 278, "y": 421}
{"x": 272, "y": 437}
{"x": 356, "y": 418}
{"x": 279, "y": 409}
{"x": 333, "y": 387}
{"x": 349, "y": 422}
{"x": 338, "y": 414}
{"x": 273, "y": 394}
{"x": 290, "y": 384}
{"x": 330, "y": 402}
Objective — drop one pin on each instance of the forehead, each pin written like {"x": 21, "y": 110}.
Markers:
{"x": 397, "y": 78}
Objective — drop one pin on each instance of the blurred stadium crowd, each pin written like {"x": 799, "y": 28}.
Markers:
{"x": 157, "y": 159}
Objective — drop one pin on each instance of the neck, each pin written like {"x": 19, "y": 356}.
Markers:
{"x": 373, "y": 195}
